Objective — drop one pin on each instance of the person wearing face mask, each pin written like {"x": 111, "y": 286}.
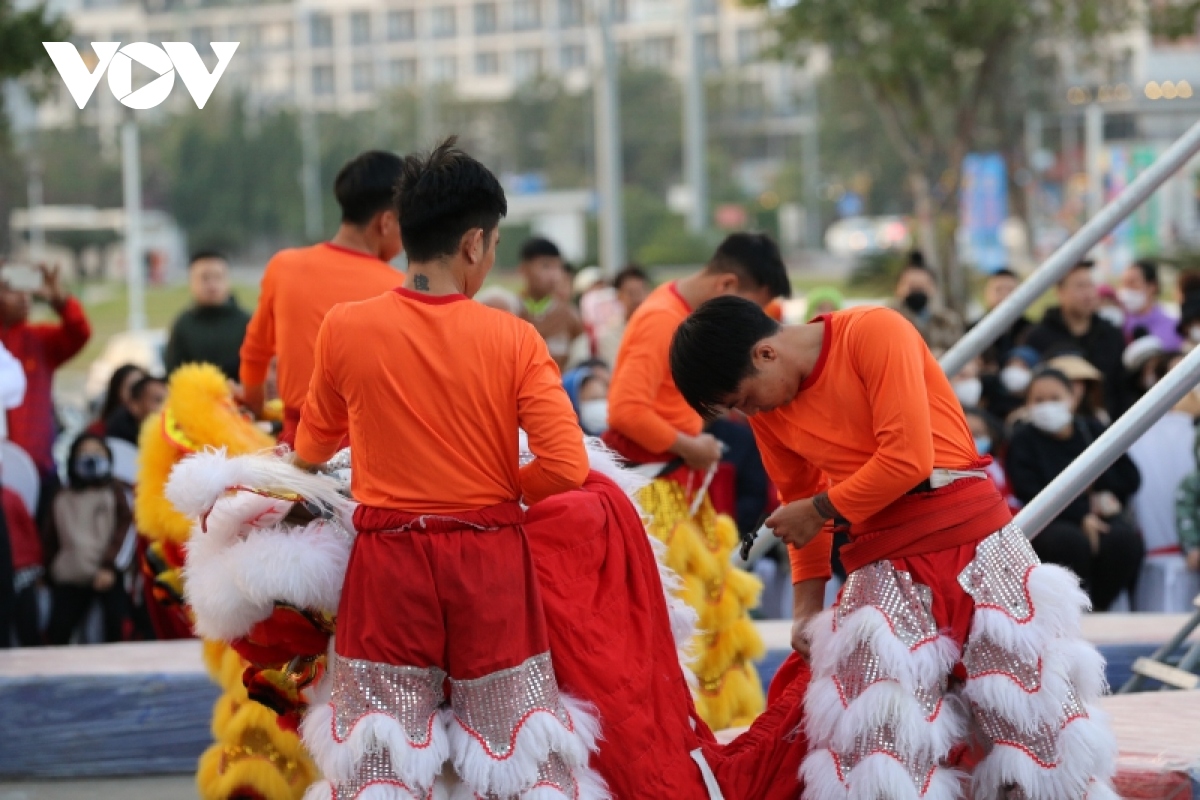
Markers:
{"x": 1092, "y": 537}
{"x": 1139, "y": 295}
{"x": 989, "y": 441}
{"x": 88, "y": 524}
{"x": 1110, "y": 310}
{"x": 916, "y": 297}
{"x": 587, "y": 387}
{"x": 968, "y": 387}
{"x": 1141, "y": 360}
{"x": 1189, "y": 319}
{"x": 1004, "y": 391}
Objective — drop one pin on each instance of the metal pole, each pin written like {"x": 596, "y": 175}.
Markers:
{"x": 427, "y": 110}
{"x": 608, "y": 145}
{"x": 310, "y": 145}
{"x": 1094, "y": 143}
{"x": 811, "y": 160}
{"x": 135, "y": 267}
{"x": 694, "y": 134}
{"x": 1001, "y": 319}
{"x": 1114, "y": 442}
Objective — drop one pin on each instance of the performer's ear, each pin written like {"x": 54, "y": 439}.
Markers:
{"x": 764, "y": 353}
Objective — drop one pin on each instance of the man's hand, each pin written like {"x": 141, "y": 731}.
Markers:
{"x": 808, "y": 600}
{"x": 796, "y": 523}
{"x": 52, "y": 289}
{"x": 104, "y": 580}
{"x": 698, "y": 452}
{"x": 254, "y": 398}
{"x": 1094, "y": 528}
{"x": 300, "y": 463}
{"x": 1193, "y": 560}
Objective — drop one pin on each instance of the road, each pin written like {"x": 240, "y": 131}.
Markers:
{"x": 181, "y": 787}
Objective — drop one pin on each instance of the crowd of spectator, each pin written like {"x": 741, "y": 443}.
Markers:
{"x": 1034, "y": 400}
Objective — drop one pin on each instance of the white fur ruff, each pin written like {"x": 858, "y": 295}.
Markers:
{"x": 538, "y": 735}
{"x": 339, "y": 761}
{"x": 876, "y": 777}
{"x": 323, "y": 790}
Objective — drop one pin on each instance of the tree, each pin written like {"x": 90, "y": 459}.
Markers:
{"x": 932, "y": 69}
{"x": 21, "y": 56}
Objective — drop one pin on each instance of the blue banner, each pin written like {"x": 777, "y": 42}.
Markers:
{"x": 983, "y": 207}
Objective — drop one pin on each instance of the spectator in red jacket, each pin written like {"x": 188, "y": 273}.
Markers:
{"x": 26, "y": 549}
{"x": 41, "y": 348}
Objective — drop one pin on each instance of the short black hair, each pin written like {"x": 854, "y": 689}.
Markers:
{"x": 365, "y": 184}
{"x": 1004, "y": 272}
{"x": 443, "y": 195}
{"x": 1087, "y": 263}
{"x": 712, "y": 350}
{"x": 539, "y": 247}
{"x": 631, "y": 272}
{"x": 139, "y": 387}
{"x": 200, "y": 255}
{"x": 1053, "y": 374}
{"x": 755, "y": 259}
{"x": 1149, "y": 271}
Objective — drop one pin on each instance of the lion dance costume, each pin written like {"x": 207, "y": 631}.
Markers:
{"x": 265, "y": 569}
{"x": 252, "y": 756}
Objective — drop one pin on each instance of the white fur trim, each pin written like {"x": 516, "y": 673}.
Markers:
{"x": 538, "y": 735}
{"x": 323, "y": 790}
{"x": 830, "y": 723}
{"x": 869, "y": 625}
{"x": 199, "y": 480}
{"x": 602, "y": 459}
{"x": 1087, "y": 753}
{"x": 820, "y": 775}
{"x": 230, "y": 587}
{"x": 879, "y": 775}
{"x": 339, "y": 761}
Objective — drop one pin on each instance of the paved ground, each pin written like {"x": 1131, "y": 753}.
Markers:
{"x": 159, "y": 788}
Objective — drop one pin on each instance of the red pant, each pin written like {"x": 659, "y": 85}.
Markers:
{"x": 458, "y": 593}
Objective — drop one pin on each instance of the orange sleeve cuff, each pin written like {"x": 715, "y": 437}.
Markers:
{"x": 813, "y": 560}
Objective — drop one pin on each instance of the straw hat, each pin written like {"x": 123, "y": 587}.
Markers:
{"x": 1077, "y": 368}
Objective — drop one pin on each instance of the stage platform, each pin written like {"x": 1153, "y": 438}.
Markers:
{"x": 143, "y": 709}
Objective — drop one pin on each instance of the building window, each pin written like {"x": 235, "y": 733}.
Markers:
{"x": 445, "y": 69}
{"x": 527, "y": 65}
{"x": 570, "y": 13}
{"x": 573, "y": 56}
{"x": 403, "y": 71}
{"x": 658, "y": 52}
{"x": 443, "y": 22}
{"x": 360, "y": 27}
{"x": 486, "y": 18}
{"x": 749, "y": 45}
{"x": 323, "y": 80}
{"x": 487, "y": 63}
{"x": 527, "y": 15}
{"x": 710, "y": 51}
{"x": 401, "y": 26}
{"x": 321, "y": 30}
{"x": 362, "y": 76}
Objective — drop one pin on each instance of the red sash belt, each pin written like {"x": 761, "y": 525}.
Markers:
{"x": 369, "y": 519}
{"x": 966, "y": 511}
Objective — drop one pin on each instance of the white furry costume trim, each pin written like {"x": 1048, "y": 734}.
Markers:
{"x": 877, "y": 714}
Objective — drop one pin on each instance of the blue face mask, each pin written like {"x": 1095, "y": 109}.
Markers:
{"x": 983, "y": 445}
{"x": 93, "y": 468}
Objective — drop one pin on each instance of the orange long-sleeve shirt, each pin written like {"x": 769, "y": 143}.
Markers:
{"x": 869, "y": 424}
{"x": 643, "y": 403}
{"x": 432, "y": 391}
{"x": 299, "y": 287}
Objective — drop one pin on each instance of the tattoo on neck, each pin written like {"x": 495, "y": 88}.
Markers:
{"x": 421, "y": 283}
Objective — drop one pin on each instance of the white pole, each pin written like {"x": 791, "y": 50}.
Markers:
{"x": 608, "y": 144}
{"x": 1094, "y": 141}
{"x": 37, "y": 231}
{"x": 811, "y": 166}
{"x": 310, "y": 146}
{"x": 135, "y": 266}
{"x": 694, "y": 133}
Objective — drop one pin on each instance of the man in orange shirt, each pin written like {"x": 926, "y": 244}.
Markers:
{"x": 859, "y": 427}
{"x": 431, "y": 389}
{"x": 300, "y": 285}
{"x": 651, "y": 425}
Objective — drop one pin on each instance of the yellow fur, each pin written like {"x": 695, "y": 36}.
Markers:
{"x": 251, "y": 751}
{"x": 698, "y": 549}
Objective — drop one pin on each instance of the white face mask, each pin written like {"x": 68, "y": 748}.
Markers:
{"x": 593, "y": 416}
{"x": 1051, "y": 416}
{"x": 968, "y": 391}
{"x": 1134, "y": 300}
{"x": 1015, "y": 379}
{"x": 1113, "y": 315}
{"x": 1194, "y": 334}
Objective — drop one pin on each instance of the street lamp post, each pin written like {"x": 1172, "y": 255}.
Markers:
{"x": 608, "y": 141}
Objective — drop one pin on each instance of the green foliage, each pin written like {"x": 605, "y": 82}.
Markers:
{"x": 655, "y": 236}
{"x": 877, "y": 274}
{"x": 21, "y": 37}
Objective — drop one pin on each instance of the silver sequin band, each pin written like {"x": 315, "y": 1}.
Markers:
{"x": 492, "y": 708}
{"x": 997, "y": 576}
{"x": 1041, "y": 743}
{"x": 375, "y": 769}
{"x": 410, "y": 695}
{"x": 905, "y": 605}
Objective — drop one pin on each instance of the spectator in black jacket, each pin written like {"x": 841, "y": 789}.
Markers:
{"x": 211, "y": 331}
{"x": 1092, "y": 536}
{"x": 1074, "y": 324}
{"x": 145, "y": 398}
